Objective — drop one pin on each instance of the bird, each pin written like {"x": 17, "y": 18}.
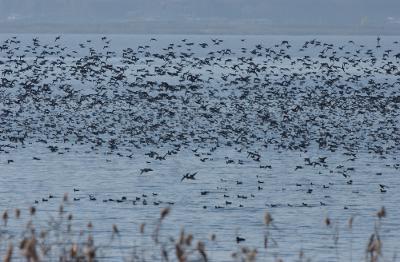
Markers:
{"x": 189, "y": 176}
{"x": 145, "y": 170}
{"x": 204, "y": 98}
{"x": 240, "y": 239}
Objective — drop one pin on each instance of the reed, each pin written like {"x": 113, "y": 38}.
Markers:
{"x": 58, "y": 240}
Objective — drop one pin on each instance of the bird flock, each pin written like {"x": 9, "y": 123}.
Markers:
{"x": 345, "y": 97}
{"x": 162, "y": 100}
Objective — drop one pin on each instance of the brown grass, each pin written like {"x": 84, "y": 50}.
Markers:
{"x": 55, "y": 241}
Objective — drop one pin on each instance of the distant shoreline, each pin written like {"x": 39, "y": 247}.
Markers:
{"x": 193, "y": 28}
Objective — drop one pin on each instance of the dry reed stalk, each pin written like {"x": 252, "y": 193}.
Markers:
{"x": 327, "y": 222}
{"x": 142, "y": 228}
{"x": 32, "y": 211}
{"x": 28, "y": 247}
{"x": 180, "y": 254}
{"x": 374, "y": 248}
{"x": 163, "y": 215}
{"x": 5, "y": 218}
{"x": 17, "y": 213}
{"x": 381, "y": 213}
{"x": 164, "y": 254}
{"x": 350, "y": 224}
{"x": 8, "y": 256}
{"x": 267, "y": 218}
{"x": 201, "y": 248}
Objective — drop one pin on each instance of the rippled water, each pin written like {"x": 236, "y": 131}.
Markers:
{"x": 239, "y": 192}
{"x": 297, "y": 227}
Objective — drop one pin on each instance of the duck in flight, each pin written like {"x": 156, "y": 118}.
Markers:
{"x": 189, "y": 176}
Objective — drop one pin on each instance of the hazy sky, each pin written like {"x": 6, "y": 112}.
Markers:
{"x": 226, "y": 16}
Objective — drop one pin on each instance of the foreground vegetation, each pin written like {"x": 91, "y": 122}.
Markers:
{"x": 57, "y": 240}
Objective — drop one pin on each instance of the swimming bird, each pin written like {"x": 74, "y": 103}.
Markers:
{"x": 240, "y": 239}
{"x": 145, "y": 170}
